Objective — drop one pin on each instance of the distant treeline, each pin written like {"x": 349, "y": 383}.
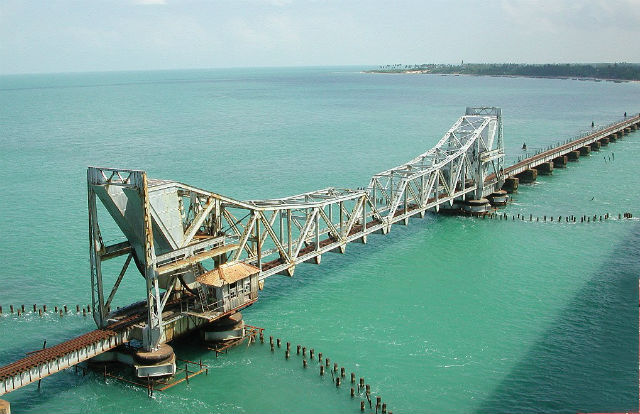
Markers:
{"x": 615, "y": 71}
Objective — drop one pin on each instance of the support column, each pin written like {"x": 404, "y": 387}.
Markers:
{"x": 511, "y": 185}
{"x": 546, "y": 168}
{"x": 595, "y": 146}
{"x": 584, "y": 151}
{"x": 152, "y": 333}
{"x": 528, "y": 176}
{"x": 573, "y": 155}
{"x": 560, "y": 162}
{"x": 604, "y": 141}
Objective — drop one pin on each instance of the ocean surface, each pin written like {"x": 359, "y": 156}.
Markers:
{"x": 448, "y": 314}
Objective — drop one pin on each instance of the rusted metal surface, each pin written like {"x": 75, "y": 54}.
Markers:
{"x": 172, "y": 228}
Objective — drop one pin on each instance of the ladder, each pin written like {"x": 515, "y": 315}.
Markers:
{"x": 203, "y": 297}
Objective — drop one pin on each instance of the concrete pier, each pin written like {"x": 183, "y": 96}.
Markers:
{"x": 546, "y": 168}
{"x": 511, "y": 185}
{"x": 604, "y": 142}
{"x": 498, "y": 198}
{"x": 560, "y": 162}
{"x": 612, "y": 137}
{"x": 528, "y": 176}
{"x": 476, "y": 207}
{"x": 573, "y": 155}
{"x": 584, "y": 151}
{"x": 595, "y": 146}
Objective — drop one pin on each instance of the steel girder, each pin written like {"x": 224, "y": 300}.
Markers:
{"x": 174, "y": 230}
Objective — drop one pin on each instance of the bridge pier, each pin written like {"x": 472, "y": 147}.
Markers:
{"x": 584, "y": 151}
{"x": 560, "y": 162}
{"x": 546, "y": 168}
{"x": 634, "y": 127}
{"x": 5, "y": 407}
{"x": 611, "y": 138}
{"x": 595, "y": 146}
{"x": 573, "y": 155}
{"x": 363, "y": 239}
{"x": 318, "y": 259}
{"x": 627, "y": 130}
{"x": 498, "y": 198}
{"x": 511, "y": 185}
{"x": 604, "y": 141}
{"x": 528, "y": 176}
{"x": 476, "y": 207}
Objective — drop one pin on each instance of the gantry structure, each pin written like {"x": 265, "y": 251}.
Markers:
{"x": 176, "y": 233}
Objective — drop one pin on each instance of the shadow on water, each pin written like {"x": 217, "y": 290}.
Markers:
{"x": 588, "y": 360}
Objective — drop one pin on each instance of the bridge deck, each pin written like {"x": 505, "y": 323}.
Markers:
{"x": 51, "y": 360}
{"x": 549, "y": 155}
{"x": 45, "y": 362}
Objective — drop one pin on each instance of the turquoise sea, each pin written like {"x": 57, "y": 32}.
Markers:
{"x": 448, "y": 314}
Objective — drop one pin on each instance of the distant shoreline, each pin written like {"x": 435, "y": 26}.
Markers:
{"x": 586, "y": 79}
{"x": 608, "y": 72}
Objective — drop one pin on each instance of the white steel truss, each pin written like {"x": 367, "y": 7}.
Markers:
{"x": 176, "y": 232}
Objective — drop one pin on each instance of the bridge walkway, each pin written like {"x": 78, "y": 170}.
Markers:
{"x": 551, "y": 154}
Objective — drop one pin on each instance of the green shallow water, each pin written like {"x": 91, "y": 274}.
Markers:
{"x": 444, "y": 314}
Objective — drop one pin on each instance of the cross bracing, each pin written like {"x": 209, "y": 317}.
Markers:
{"x": 176, "y": 232}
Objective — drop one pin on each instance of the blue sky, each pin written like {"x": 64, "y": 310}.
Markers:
{"x": 96, "y": 35}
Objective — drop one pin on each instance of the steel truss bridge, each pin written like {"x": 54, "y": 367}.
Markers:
{"x": 176, "y": 232}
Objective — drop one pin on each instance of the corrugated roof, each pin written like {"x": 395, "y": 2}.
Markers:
{"x": 227, "y": 273}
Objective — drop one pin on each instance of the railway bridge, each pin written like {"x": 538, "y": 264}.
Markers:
{"x": 205, "y": 256}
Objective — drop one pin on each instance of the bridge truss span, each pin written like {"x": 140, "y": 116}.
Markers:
{"x": 176, "y": 233}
